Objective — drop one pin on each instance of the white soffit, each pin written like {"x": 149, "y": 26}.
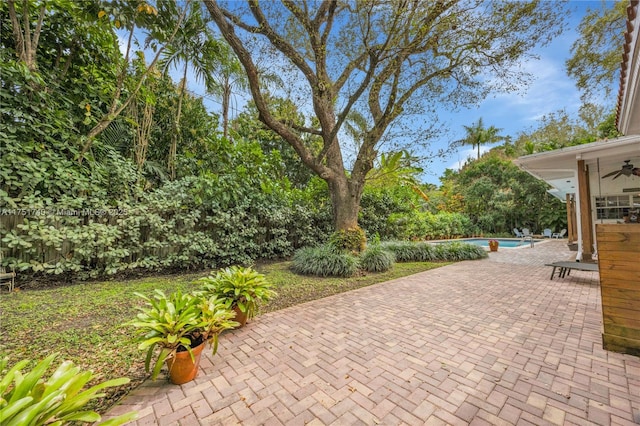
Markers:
{"x": 558, "y": 168}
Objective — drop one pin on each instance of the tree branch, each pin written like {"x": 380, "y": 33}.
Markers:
{"x": 113, "y": 110}
{"x": 222, "y": 19}
{"x": 17, "y": 32}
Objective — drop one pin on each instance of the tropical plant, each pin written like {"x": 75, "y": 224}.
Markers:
{"x": 178, "y": 322}
{"x": 478, "y": 134}
{"x": 324, "y": 261}
{"x": 163, "y": 24}
{"x": 238, "y": 287}
{"x": 229, "y": 75}
{"x": 32, "y": 399}
{"x": 193, "y": 47}
{"x": 376, "y": 259}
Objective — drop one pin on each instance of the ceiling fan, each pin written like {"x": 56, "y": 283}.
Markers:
{"x": 626, "y": 170}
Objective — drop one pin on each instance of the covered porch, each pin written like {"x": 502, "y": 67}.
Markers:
{"x": 581, "y": 177}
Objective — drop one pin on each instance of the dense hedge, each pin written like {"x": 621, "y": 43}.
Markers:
{"x": 190, "y": 223}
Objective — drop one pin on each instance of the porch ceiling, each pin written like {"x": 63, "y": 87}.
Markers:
{"x": 558, "y": 168}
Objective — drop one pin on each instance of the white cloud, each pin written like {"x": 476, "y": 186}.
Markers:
{"x": 550, "y": 91}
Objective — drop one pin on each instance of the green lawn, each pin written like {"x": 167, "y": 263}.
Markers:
{"x": 83, "y": 322}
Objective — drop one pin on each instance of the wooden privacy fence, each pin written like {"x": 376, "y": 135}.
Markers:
{"x": 619, "y": 265}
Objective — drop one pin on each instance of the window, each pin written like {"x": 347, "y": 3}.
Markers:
{"x": 615, "y": 206}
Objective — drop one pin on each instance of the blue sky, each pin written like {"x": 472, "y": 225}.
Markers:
{"x": 550, "y": 91}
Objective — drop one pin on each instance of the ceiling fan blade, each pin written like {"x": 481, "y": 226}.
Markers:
{"x": 611, "y": 174}
{"x": 618, "y": 175}
{"x": 636, "y": 171}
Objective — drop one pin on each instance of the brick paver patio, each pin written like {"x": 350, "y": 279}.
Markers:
{"x": 491, "y": 342}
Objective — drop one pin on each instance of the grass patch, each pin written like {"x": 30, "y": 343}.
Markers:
{"x": 83, "y": 322}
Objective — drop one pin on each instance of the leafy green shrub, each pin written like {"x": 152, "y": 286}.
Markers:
{"x": 353, "y": 240}
{"x": 409, "y": 226}
{"x": 31, "y": 399}
{"x": 378, "y": 204}
{"x": 376, "y": 259}
{"x": 324, "y": 261}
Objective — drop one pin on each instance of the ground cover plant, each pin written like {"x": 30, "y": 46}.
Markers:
{"x": 84, "y": 322}
{"x": 324, "y": 261}
{"x": 330, "y": 261}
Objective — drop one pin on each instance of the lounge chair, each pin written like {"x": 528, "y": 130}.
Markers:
{"x": 526, "y": 233}
{"x": 564, "y": 268}
{"x": 559, "y": 234}
{"x": 518, "y": 233}
{"x": 547, "y": 233}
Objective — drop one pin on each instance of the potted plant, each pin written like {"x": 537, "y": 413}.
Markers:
{"x": 180, "y": 325}
{"x": 493, "y": 245}
{"x": 240, "y": 289}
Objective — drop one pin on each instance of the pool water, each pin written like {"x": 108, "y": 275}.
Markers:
{"x": 484, "y": 242}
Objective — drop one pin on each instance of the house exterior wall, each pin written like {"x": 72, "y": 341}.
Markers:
{"x": 609, "y": 199}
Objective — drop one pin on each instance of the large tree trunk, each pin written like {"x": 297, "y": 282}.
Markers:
{"x": 345, "y": 201}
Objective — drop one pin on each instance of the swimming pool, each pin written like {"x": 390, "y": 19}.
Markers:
{"x": 484, "y": 242}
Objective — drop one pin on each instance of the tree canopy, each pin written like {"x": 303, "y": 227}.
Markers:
{"x": 596, "y": 54}
{"x": 385, "y": 59}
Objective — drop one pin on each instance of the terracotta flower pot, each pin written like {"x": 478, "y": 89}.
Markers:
{"x": 493, "y": 246}
{"x": 241, "y": 317}
{"x": 181, "y": 368}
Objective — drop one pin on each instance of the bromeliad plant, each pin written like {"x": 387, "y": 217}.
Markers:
{"x": 31, "y": 399}
{"x": 238, "y": 287}
{"x": 179, "y": 322}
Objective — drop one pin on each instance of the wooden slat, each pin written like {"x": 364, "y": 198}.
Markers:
{"x": 619, "y": 312}
{"x": 610, "y": 319}
{"x": 632, "y": 294}
{"x": 619, "y": 237}
{"x": 630, "y": 246}
{"x": 617, "y": 264}
{"x": 629, "y": 333}
{"x": 621, "y": 307}
{"x": 621, "y": 344}
{"x": 625, "y": 256}
{"x": 620, "y": 283}
{"x": 617, "y": 227}
{"x": 619, "y": 269}
{"x": 622, "y": 272}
